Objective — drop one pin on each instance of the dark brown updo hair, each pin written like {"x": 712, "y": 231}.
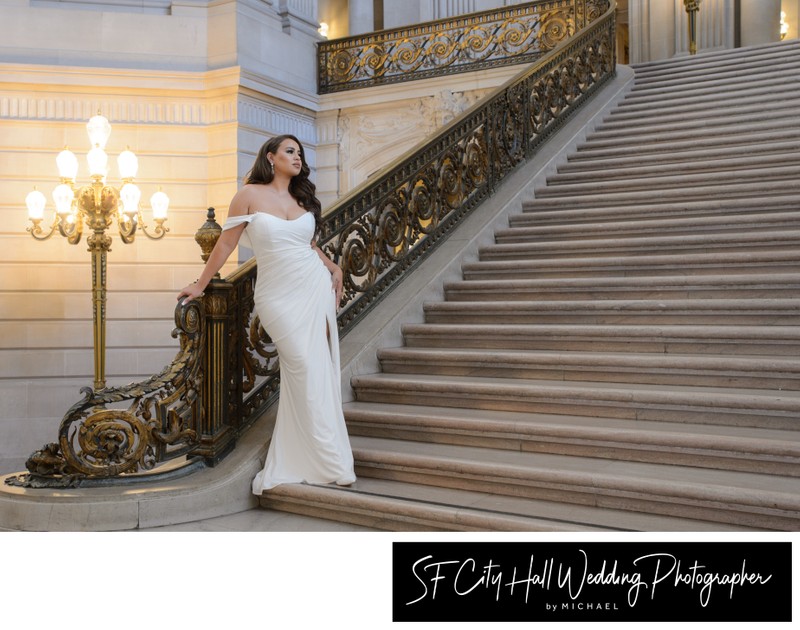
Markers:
{"x": 300, "y": 187}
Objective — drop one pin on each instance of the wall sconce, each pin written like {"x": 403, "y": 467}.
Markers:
{"x": 96, "y": 206}
{"x": 323, "y": 29}
{"x": 784, "y": 26}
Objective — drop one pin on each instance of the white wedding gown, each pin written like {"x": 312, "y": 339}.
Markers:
{"x": 295, "y": 301}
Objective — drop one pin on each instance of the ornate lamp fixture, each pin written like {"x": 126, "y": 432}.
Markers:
{"x": 95, "y": 206}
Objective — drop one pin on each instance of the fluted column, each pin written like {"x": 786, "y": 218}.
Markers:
{"x": 760, "y": 21}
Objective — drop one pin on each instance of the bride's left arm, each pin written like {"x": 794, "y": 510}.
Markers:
{"x": 336, "y": 272}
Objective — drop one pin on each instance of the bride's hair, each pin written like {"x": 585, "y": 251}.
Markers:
{"x": 300, "y": 187}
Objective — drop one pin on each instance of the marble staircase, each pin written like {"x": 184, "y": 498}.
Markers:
{"x": 626, "y": 354}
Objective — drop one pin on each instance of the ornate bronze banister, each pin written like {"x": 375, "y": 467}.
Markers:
{"x": 509, "y": 35}
{"x": 163, "y": 420}
{"x": 386, "y": 225}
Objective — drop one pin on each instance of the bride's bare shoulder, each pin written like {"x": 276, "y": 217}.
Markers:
{"x": 249, "y": 198}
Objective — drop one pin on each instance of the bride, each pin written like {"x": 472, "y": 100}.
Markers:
{"x": 277, "y": 215}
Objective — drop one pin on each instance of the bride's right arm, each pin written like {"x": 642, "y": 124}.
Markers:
{"x": 222, "y": 250}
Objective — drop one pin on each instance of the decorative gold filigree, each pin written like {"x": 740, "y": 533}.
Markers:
{"x": 516, "y": 34}
{"x": 161, "y": 422}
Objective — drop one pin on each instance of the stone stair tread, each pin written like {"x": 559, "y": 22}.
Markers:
{"x": 702, "y": 123}
{"x": 616, "y": 359}
{"x": 640, "y": 113}
{"x": 673, "y": 263}
{"x": 693, "y": 82}
{"x": 533, "y": 213}
{"x": 705, "y": 165}
{"x": 657, "y": 479}
{"x": 384, "y": 501}
{"x": 697, "y": 80}
{"x": 649, "y": 141}
{"x": 701, "y": 305}
{"x": 582, "y": 162}
{"x": 723, "y": 280}
{"x": 608, "y": 245}
{"x": 787, "y": 400}
{"x": 686, "y": 182}
{"x": 675, "y": 149}
{"x": 699, "y": 331}
{"x": 689, "y": 435}
{"x": 704, "y": 57}
{"x": 718, "y": 221}
{"x": 753, "y": 192}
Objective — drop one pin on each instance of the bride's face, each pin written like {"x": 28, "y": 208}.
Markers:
{"x": 287, "y": 160}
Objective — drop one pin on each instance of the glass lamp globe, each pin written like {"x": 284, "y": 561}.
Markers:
{"x": 36, "y": 202}
{"x": 160, "y": 203}
{"x": 98, "y": 162}
{"x": 128, "y": 164}
{"x": 99, "y": 130}
{"x": 130, "y": 195}
{"x": 63, "y": 196}
{"x": 67, "y": 165}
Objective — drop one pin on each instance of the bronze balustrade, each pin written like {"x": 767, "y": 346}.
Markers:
{"x": 510, "y": 35}
{"x": 226, "y": 372}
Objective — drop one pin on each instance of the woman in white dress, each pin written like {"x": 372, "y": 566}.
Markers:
{"x": 298, "y": 287}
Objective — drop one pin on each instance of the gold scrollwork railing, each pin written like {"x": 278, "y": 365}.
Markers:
{"x": 511, "y": 35}
{"x": 383, "y": 228}
{"x": 162, "y": 421}
{"x": 226, "y": 372}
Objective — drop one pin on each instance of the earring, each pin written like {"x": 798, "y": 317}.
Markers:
{"x": 271, "y": 168}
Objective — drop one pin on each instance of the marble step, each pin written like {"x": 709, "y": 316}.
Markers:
{"x": 770, "y": 373}
{"x": 722, "y": 312}
{"x": 638, "y": 113}
{"x": 671, "y": 244}
{"x": 399, "y": 506}
{"x": 606, "y": 268}
{"x": 686, "y": 157}
{"x": 686, "y": 444}
{"x": 775, "y": 160}
{"x": 685, "y": 147}
{"x": 785, "y": 125}
{"x": 661, "y": 403}
{"x": 768, "y": 341}
{"x": 713, "y": 58}
{"x": 755, "y": 191}
{"x": 687, "y": 183}
{"x": 730, "y": 497}
{"x": 724, "y": 78}
{"x": 540, "y": 212}
{"x": 528, "y": 231}
{"x": 701, "y": 122}
{"x": 749, "y": 286}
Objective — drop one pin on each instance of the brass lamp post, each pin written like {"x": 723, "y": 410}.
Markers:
{"x": 692, "y": 7}
{"x": 95, "y": 206}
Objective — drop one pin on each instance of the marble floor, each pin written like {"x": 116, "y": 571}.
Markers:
{"x": 259, "y": 520}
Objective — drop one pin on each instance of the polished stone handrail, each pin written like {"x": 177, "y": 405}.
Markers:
{"x": 510, "y": 35}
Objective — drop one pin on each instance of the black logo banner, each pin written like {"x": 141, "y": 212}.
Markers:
{"x": 592, "y": 581}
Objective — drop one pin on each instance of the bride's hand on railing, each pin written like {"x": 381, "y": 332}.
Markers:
{"x": 190, "y": 292}
{"x": 337, "y": 280}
